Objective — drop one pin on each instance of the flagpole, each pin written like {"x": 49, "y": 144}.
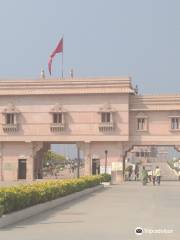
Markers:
{"x": 62, "y": 57}
{"x": 62, "y": 65}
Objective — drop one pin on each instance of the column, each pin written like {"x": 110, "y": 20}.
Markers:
{"x": 1, "y": 162}
{"x": 87, "y": 159}
{"x": 36, "y": 147}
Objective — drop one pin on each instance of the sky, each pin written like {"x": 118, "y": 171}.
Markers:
{"x": 134, "y": 38}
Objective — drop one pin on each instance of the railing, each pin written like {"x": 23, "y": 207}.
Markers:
{"x": 10, "y": 127}
{"x": 70, "y": 128}
{"x": 106, "y": 127}
{"x": 57, "y": 127}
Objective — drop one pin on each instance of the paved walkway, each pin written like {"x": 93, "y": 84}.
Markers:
{"x": 111, "y": 214}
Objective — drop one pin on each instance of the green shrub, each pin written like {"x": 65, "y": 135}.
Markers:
{"x": 171, "y": 164}
{"x": 1, "y": 210}
{"x": 129, "y": 168}
{"x": 18, "y": 197}
{"x": 105, "y": 177}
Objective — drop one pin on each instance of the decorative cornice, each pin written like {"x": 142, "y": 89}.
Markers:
{"x": 174, "y": 114}
{"x": 58, "y": 108}
{"x": 107, "y": 108}
{"x": 66, "y": 86}
{"x": 141, "y": 115}
{"x": 155, "y": 103}
{"x": 11, "y": 108}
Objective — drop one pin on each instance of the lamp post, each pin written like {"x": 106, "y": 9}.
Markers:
{"x": 78, "y": 163}
{"x": 106, "y": 153}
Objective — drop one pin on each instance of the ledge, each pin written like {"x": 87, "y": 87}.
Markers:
{"x": 23, "y": 214}
{"x": 174, "y": 130}
{"x": 66, "y": 86}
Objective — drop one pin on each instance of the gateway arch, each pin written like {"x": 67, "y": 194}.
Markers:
{"x": 98, "y": 114}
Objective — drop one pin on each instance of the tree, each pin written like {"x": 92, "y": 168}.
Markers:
{"x": 54, "y": 159}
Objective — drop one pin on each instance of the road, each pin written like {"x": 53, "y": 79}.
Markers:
{"x": 110, "y": 214}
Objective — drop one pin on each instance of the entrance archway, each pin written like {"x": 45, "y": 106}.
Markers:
{"x": 61, "y": 160}
{"x": 165, "y": 156}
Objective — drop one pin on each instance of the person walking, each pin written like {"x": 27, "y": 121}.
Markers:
{"x": 144, "y": 176}
{"x": 130, "y": 172}
{"x": 150, "y": 175}
{"x": 158, "y": 175}
{"x": 136, "y": 172}
{"x": 154, "y": 177}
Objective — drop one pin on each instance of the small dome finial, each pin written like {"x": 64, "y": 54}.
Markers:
{"x": 136, "y": 89}
{"x": 71, "y": 72}
{"x": 42, "y": 74}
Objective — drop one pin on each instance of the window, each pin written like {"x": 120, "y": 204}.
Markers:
{"x": 57, "y": 118}
{"x": 137, "y": 154}
{"x": 10, "y": 118}
{"x": 142, "y": 154}
{"x": 106, "y": 122}
{"x": 141, "y": 124}
{"x": 147, "y": 154}
{"x": 175, "y": 123}
{"x": 106, "y": 117}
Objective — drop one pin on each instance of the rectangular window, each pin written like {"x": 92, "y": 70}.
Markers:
{"x": 142, "y": 154}
{"x": 146, "y": 154}
{"x": 10, "y": 118}
{"x": 57, "y": 118}
{"x": 137, "y": 154}
{"x": 141, "y": 124}
{"x": 174, "y": 123}
{"x": 106, "y": 117}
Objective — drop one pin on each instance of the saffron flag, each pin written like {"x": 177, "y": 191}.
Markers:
{"x": 58, "y": 49}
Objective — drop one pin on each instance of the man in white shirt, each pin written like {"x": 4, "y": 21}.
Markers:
{"x": 158, "y": 175}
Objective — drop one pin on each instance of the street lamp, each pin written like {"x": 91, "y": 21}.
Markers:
{"x": 78, "y": 162}
{"x": 106, "y": 153}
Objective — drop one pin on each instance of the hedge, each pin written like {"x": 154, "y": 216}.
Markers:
{"x": 105, "y": 177}
{"x": 21, "y": 196}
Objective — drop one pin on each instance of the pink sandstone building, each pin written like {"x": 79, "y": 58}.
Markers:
{"x": 105, "y": 117}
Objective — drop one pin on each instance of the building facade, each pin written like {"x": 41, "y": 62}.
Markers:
{"x": 103, "y": 116}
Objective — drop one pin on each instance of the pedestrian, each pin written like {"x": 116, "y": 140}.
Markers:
{"x": 144, "y": 175}
{"x": 154, "y": 177}
{"x": 150, "y": 175}
{"x": 130, "y": 173}
{"x": 158, "y": 175}
{"x": 136, "y": 171}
